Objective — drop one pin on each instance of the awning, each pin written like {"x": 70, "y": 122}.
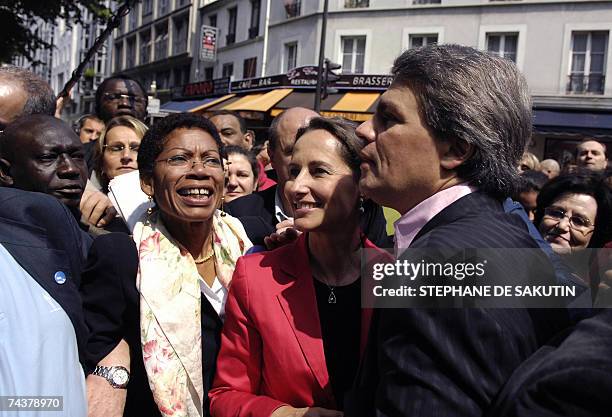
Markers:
{"x": 572, "y": 120}
{"x": 192, "y": 105}
{"x": 258, "y": 102}
{"x": 352, "y": 106}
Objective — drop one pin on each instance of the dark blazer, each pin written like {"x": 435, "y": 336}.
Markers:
{"x": 272, "y": 349}
{"x": 262, "y": 205}
{"x": 112, "y": 308}
{"x": 452, "y": 362}
{"x": 569, "y": 376}
{"x": 43, "y": 237}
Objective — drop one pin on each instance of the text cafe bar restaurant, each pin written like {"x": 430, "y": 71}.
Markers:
{"x": 259, "y": 100}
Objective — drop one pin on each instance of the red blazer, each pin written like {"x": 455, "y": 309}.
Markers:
{"x": 271, "y": 346}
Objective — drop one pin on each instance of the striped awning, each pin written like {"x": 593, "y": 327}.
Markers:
{"x": 192, "y": 105}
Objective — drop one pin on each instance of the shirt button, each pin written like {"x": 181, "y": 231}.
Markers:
{"x": 60, "y": 277}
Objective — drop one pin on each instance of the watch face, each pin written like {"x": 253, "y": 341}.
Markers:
{"x": 120, "y": 376}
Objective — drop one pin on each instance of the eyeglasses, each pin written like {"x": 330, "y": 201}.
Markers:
{"x": 120, "y": 96}
{"x": 184, "y": 162}
{"x": 119, "y": 148}
{"x": 576, "y": 222}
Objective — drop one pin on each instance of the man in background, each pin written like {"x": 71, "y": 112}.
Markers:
{"x": 89, "y": 128}
{"x": 591, "y": 155}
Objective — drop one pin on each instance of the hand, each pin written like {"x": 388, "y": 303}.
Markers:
{"x": 102, "y": 399}
{"x": 97, "y": 208}
{"x": 285, "y": 233}
{"x": 288, "y": 411}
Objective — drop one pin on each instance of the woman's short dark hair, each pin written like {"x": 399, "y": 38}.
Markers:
{"x": 584, "y": 182}
{"x": 250, "y": 156}
{"x": 344, "y": 131}
{"x": 153, "y": 142}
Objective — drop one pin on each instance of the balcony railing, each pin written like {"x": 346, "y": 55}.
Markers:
{"x": 230, "y": 38}
{"x": 426, "y": 1}
{"x": 253, "y": 32}
{"x": 586, "y": 84}
{"x": 353, "y": 4}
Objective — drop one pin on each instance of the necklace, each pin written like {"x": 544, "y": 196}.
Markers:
{"x": 201, "y": 259}
{"x": 332, "y": 297}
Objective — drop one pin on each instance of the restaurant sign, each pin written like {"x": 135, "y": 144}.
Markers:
{"x": 216, "y": 87}
{"x": 208, "y": 43}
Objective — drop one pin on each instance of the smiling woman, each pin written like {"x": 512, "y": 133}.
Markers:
{"x": 294, "y": 325}
{"x": 187, "y": 250}
{"x": 574, "y": 211}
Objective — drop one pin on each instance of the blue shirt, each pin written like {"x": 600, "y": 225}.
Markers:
{"x": 38, "y": 346}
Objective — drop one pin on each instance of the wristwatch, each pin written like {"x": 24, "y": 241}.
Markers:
{"x": 117, "y": 376}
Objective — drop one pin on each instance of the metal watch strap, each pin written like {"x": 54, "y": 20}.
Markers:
{"x": 105, "y": 372}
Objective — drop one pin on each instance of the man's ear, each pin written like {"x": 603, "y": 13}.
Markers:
{"x": 454, "y": 153}
{"x": 6, "y": 180}
{"x": 249, "y": 139}
{"x": 146, "y": 185}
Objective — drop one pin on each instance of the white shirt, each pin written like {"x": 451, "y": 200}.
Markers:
{"x": 278, "y": 207}
{"x": 216, "y": 295}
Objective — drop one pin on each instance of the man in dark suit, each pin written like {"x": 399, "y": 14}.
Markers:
{"x": 442, "y": 150}
{"x": 40, "y": 306}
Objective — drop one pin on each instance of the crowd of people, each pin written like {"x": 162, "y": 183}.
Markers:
{"x": 238, "y": 291}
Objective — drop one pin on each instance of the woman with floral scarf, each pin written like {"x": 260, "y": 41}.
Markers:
{"x": 172, "y": 312}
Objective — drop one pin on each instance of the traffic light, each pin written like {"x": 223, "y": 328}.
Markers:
{"x": 330, "y": 78}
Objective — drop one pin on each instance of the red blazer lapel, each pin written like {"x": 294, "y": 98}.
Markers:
{"x": 299, "y": 304}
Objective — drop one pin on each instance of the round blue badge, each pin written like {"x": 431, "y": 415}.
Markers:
{"x": 60, "y": 277}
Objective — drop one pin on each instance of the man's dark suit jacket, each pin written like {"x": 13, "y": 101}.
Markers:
{"x": 260, "y": 207}
{"x": 451, "y": 362}
{"x": 569, "y": 376}
{"x": 43, "y": 237}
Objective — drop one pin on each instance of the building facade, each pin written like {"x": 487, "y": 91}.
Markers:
{"x": 562, "y": 46}
{"x": 70, "y": 45}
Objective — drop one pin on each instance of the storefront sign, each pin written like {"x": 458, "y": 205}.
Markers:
{"x": 364, "y": 81}
{"x": 253, "y": 84}
{"x": 208, "y": 43}
{"x": 214, "y": 87}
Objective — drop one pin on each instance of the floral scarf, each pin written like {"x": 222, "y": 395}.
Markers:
{"x": 170, "y": 296}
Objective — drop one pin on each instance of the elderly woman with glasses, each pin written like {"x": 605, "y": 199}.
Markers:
{"x": 574, "y": 211}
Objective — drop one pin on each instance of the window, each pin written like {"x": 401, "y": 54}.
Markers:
{"x": 180, "y": 3}
{"x": 162, "y": 7}
{"x": 249, "y": 68}
{"x": 118, "y": 56}
{"x": 503, "y": 45}
{"x": 208, "y": 73}
{"x": 255, "y": 8}
{"x": 147, "y": 7}
{"x": 588, "y": 62}
{"x": 133, "y": 21}
{"x": 228, "y": 70}
{"x": 180, "y": 36}
{"x": 353, "y": 54}
{"x": 416, "y": 41}
{"x": 231, "y": 26}
{"x": 290, "y": 56}
{"x": 426, "y": 1}
{"x": 212, "y": 20}
{"x": 145, "y": 47}
{"x": 351, "y": 4}
{"x": 292, "y": 8}
{"x": 131, "y": 53}
{"x": 161, "y": 42}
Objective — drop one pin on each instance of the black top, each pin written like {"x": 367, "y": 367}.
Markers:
{"x": 341, "y": 331}
{"x": 112, "y": 311}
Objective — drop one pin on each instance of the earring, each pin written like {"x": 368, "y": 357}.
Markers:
{"x": 223, "y": 213}
{"x": 361, "y": 208}
{"x": 150, "y": 208}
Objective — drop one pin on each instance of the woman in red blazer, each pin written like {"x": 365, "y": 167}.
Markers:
{"x": 294, "y": 329}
